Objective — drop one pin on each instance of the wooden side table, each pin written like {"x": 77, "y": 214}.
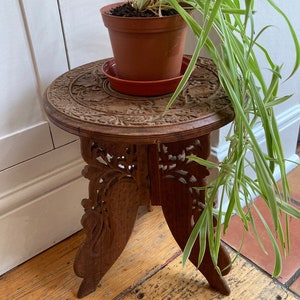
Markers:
{"x": 136, "y": 155}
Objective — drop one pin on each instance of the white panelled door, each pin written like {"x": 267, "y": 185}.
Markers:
{"x": 21, "y": 118}
{"x": 46, "y": 38}
{"x": 40, "y": 165}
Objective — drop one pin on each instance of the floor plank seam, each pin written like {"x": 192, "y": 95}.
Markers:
{"x": 249, "y": 261}
{"x": 293, "y": 278}
{"x": 296, "y": 202}
{"x": 285, "y": 286}
{"x": 148, "y": 276}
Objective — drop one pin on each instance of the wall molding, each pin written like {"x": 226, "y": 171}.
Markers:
{"x": 24, "y": 144}
{"x": 40, "y": 204}
{"x": 288, "y": 124}
{"x": 24, "y": 193}
{"x": 30, "y": 229}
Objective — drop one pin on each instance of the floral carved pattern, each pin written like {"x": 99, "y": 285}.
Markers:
{"x": 107, "y": 164}
{"x": 175, "y": 165}
{"x": 182, "y": 204}
{"x": 111, "y": 206}
{"x": 85, "y": 94}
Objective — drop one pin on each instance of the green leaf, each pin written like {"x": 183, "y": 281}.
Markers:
{"x": 278, "y": 261}
{"x": 202, "y": 161}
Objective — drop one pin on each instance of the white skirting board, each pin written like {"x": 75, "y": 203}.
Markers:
{"x": 288, "y": 124}
{"x": 38, "y": 225}
{"x": 40, "y": 204}
{"x": 25, "y": 144}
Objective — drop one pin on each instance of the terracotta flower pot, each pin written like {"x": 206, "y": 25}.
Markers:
{"x": 146, "y": 48}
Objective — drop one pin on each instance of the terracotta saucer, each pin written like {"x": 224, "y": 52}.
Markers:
{"x": 141, "y": 88}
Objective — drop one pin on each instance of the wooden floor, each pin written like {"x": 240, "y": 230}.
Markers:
{"x": 149, "y": 268}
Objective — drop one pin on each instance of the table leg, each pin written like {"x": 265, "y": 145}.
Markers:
{"x": 182, "y": 204}
{"x": 110, "y": 210}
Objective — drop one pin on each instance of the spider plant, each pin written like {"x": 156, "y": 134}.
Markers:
{"x": 253, "y": 99}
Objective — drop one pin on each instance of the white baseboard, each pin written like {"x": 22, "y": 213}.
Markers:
{"x": 38, "y": 225}
{"x": 288, "y": 124}
{"x": 25, "y": 144}
{"x": 29, "y": 190}
{"x": 40, "y": 204}
{"x": 31, "y": 179}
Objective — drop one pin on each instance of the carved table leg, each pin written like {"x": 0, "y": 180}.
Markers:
{"x": 110, "y": 210}
{"x": 182, "y": 204}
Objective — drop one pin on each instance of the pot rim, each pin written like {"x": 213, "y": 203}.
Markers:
{"x": 140, "y": 24}
{"x": 106, "y": 8}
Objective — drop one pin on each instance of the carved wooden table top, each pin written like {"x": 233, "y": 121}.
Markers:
{"x": 82, "y": 102}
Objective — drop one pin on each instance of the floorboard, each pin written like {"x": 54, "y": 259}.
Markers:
{"x": 149, "y": 268}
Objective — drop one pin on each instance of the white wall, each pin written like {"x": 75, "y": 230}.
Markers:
{"x": 40, "y": 182}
